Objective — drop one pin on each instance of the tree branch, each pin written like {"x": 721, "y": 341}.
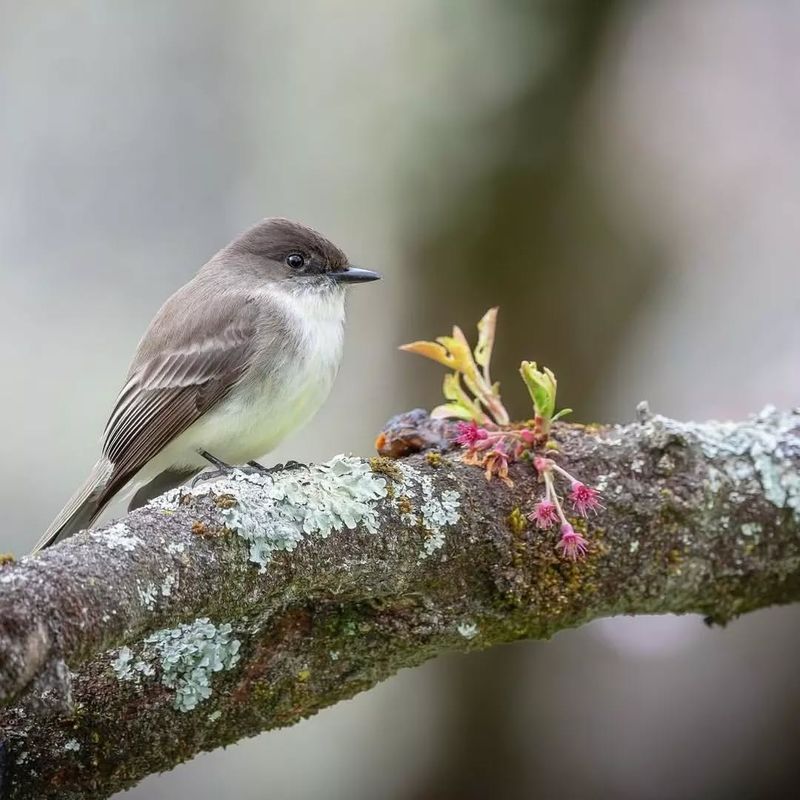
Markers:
{"x": 116, "y": 659}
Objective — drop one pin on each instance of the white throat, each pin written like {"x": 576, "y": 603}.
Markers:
{"x": 310, "y": 306}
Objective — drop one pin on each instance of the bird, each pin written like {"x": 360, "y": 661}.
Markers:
{"x": 241, "y": 356}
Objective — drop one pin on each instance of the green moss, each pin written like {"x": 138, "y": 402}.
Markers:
{"x": 404, "y": 505}
{"x": 558, "y": 590}
{"x": 674, "y": 559}
{"x": 385, "y": 466}
{"x": 434, "y": 458}
{"x": 517, "y": 521}
{"x": 263, "y": 693}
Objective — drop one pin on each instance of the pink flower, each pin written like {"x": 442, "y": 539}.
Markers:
{"x": 469, "y": 434}
{"x": 496, "y": 463}
{"x": 572, "y": 545}
{"x": 584, "y": 498}
{"x": 542, "y": 464}
{"x": 544, "y": 514}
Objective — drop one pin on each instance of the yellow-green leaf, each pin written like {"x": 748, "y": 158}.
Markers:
{"x": 541, "y": 386}
{"x": 451, "y": 410}
{"x": 459, "y": 350}
{"x": 486, "y": 331}
{"x": 436, "y": 352}
{"x": 454, "y": 391}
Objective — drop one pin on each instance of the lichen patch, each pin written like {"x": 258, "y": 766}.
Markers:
{"x": 467, "y": 629}
{"x": 435, "y": 510}
{"x": 186, "y": 657}
{"x": 118, "y": 536}
{"x": 766, "y": 449}
{"x": 275, "y": 512}
{"x": 148, "y": 593}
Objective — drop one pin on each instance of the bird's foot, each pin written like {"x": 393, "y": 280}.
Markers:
{"x": 214, "y": 461}
{"x": 221, "y": 469}
{"x": 276, "y": 468}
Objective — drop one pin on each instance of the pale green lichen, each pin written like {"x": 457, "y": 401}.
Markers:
{"x": 214, "y": 716}
{"x": 118, "y": 536}
{"x": 126, "y": 669}
{"x": 469, "y": 630}
{"x": 169, "y": 584}
{"x": 147, "y": 594}
{"x": 765, "y": 448}
{"x": 275, "y": 512}
{"x": 433, "y": 541}
{"x": 187, "y": 657}
{"x": 170, "y": 501}
{"x": 435, "y": 511}
{"x": 751, "y": 529}
{"x": 637, "y": 464}
{"x": 72, "y": 744}
{"x": 122, "y": 664}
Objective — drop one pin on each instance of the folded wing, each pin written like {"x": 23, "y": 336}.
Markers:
{"x": 172, "y": 389}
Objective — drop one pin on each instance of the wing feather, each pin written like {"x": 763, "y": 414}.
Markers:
{"x": 173, "y": 388}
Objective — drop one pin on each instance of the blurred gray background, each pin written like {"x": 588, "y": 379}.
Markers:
{"x": 622, "y": 178}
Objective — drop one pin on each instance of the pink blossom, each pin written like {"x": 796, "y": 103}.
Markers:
{"x": 520, "y": 450}
{"x": 544, "y": 514}
{"x": 469, "y": 434}
{"x": 542, "y": 464}
{"x": 584, "y": 498}
{"x": 572, "y": 545}
{"x": 496, "y": 463}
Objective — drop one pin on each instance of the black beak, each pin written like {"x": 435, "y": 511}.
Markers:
{"x": 355, "y": 275}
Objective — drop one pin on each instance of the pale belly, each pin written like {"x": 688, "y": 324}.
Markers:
{"x": 259, "y": 413}
{"x": 248, "y": 427}
{"x": 247, "y": 424}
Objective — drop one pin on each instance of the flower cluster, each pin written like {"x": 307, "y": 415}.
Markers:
{"x": 495, "y": 449}
{"x": 490, "y": 442}
{"x": 550, "y": 509}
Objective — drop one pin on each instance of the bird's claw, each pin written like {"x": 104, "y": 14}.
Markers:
{"x": 211, "y": 475}
{"x": 223, "y": 470}
{"x": 289, "y": 465}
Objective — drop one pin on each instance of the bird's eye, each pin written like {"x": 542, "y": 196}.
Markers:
{"x": 295, "y": 260}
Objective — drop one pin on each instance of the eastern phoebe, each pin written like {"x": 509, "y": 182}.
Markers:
{"x": 241, "y": 356}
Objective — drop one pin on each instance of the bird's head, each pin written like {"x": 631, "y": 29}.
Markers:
{"x": 297, "y": 256}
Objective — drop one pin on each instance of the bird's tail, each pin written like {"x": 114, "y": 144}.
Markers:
{"x": 83, "y": 508}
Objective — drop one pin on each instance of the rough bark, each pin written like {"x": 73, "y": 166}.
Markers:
{"x": 698, "y": 518}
